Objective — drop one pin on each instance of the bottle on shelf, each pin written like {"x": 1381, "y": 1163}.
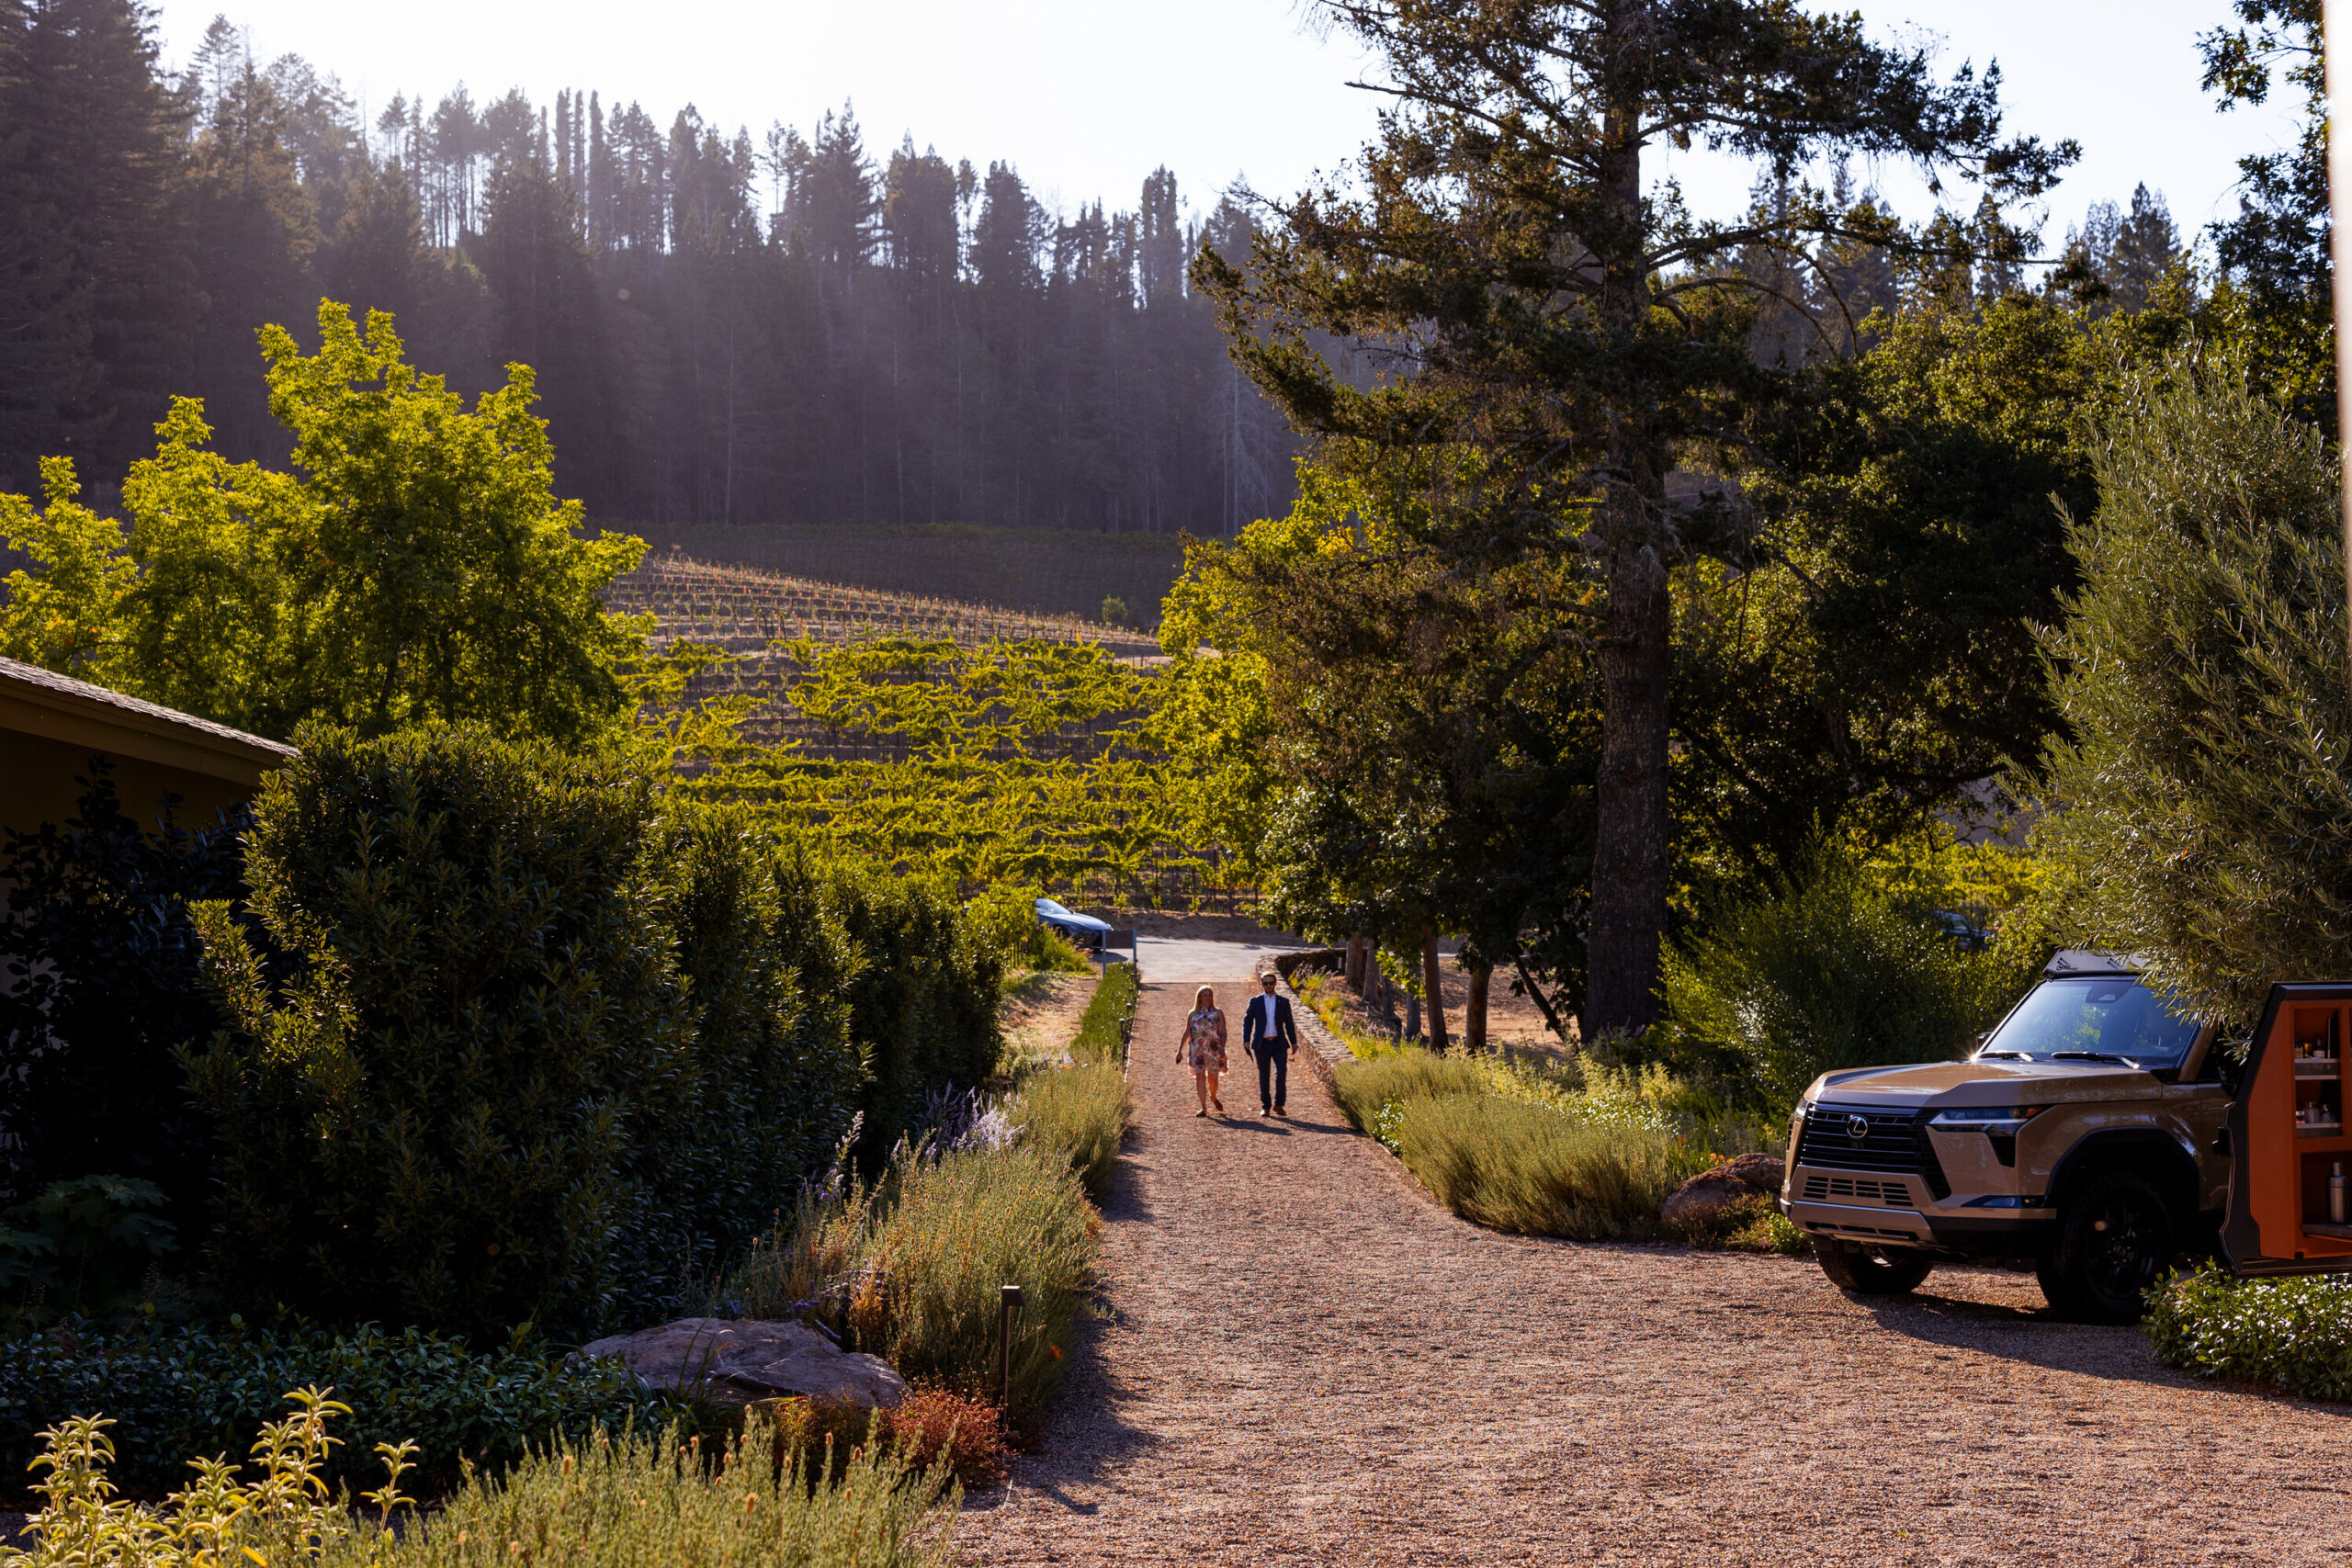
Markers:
{"x": 2335, "y": 1195}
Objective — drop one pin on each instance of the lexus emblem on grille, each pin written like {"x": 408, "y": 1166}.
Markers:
{"x": 1858, "y": 1127}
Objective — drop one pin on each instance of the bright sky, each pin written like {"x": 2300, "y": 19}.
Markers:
{"x": 1087, "y": 97}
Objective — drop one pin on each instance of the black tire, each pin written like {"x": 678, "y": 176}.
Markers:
{"x": 1870, "y": 1272}
{"x": 2115, "y": 1237}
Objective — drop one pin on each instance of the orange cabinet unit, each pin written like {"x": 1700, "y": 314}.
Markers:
{"x": 2287, "y": 1214}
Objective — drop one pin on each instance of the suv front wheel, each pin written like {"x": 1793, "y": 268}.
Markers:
{"x": 2114, "y": 1239}
{"x": 1870, "y": 1272}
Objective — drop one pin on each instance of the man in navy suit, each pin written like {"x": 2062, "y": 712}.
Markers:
{"x": 1269, "y": 1033}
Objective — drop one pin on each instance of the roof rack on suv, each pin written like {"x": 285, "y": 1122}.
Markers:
{"x": 2084, "y": 960}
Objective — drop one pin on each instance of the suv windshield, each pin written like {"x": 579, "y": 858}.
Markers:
{"x": 2094, "y": 1018}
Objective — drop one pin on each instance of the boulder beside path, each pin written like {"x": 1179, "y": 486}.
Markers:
{"x": 749, "y": 1358}
{"x": 1699, "y": 1198}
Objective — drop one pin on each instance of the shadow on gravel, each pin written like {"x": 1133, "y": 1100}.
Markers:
{"x": 1128, "y": 1206}
{"x": 2040, "y": 1338}
{"x": 1245, "y": 1122}
{"x": 1301, "y": 1125}
{"x": 1085, "y": 1432}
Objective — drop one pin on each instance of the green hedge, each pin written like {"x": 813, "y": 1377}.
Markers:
{"x": 457, "y": 1023}
{"x": 1110, "y": 1017}
{"x": 776, "y": 1072}
{"x": 2293, "y": 1334}
{"x": 180, "y": 1393}
{"x": 512, "y": 1040}
{"x": 98, "y": 985}
{"x": 922, "y": 992}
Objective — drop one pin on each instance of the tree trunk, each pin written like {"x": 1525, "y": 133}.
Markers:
{"x": 1628, "y": 861}
{"x": 1629, "y": 864}
{"x": 1355, "y": 963}
{"x": 1542, "y": 1002}
{"x": 1412, "y": 1016}
{"x": 1473, "y": 1018}
{"x": 1434, "y": 982}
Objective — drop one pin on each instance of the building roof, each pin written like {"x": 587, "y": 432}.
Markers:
{"x": 41, "y": 702}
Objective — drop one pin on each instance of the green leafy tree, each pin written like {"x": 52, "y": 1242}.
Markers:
{"x": 2273, "y": 299}
{"x": 1583, "y": 333}
{"x": 1878, "y": 651}
{"x": 416, "y": 567}
{"x": 58, "y": 614}
{"x": 2199, "y": 793}
{"x": 1417, "y": 750}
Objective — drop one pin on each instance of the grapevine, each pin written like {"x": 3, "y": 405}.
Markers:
{"x": 1016, "y": 760}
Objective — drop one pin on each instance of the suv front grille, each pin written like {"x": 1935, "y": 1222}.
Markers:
{"x": 1847, "y": 1189}
{"x": 1895, "y": 1143}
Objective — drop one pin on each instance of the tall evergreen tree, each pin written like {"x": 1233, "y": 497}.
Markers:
{"x": 549, "y": 313}
{"x": 256, "y": 227}
{"x": 373, "y": 259}
{"x": 102, "y": 145}
{"x": 1584, "y": 338}
{"x": 2120, "y": 256}
{"x": 48, "y": 375}
{"x": 2278, "y": 241}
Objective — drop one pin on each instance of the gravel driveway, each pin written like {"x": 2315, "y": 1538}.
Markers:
{"x": 1307, "y": 1359}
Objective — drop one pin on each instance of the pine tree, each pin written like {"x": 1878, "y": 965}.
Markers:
{"x": 322, "y": 133}
{"x": 1159, "y": 241}
{"x": 47, "y": 370}
{"x": 2114, "y": 262}
{"x": 2275, "y": 255}
{"x": 2277, "y": 244}
{"x": 255, "y": 230}
{"x": 375, "y": 258}
{"x": 549, "y": 313}
{"x": 1583, "y": 338}
{"x": 101, "y": 145}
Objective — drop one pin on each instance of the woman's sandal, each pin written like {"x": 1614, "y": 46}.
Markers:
{"x": 1200, "y": 1113}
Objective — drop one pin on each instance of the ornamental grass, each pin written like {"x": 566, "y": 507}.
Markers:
{"x": 1525, "y": 1167}
{"x": 955, "y": 1232}
{"x": 1083, "y": 1114}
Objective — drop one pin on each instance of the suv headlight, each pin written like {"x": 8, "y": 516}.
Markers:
{"x": 2000, "y": 1121}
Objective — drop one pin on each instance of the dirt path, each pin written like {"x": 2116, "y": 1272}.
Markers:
{"x": 1309, "y": 1360}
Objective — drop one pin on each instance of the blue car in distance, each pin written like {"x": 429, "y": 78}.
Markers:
{"x": 1087, "y": 933}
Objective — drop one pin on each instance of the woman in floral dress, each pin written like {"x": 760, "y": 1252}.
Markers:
{"x": 1203, "y": 1047}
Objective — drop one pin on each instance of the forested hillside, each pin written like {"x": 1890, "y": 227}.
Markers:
{"x": 725, "y": 328}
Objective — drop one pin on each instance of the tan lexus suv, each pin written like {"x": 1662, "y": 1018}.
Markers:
{"x": 2085, "y": 1133}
